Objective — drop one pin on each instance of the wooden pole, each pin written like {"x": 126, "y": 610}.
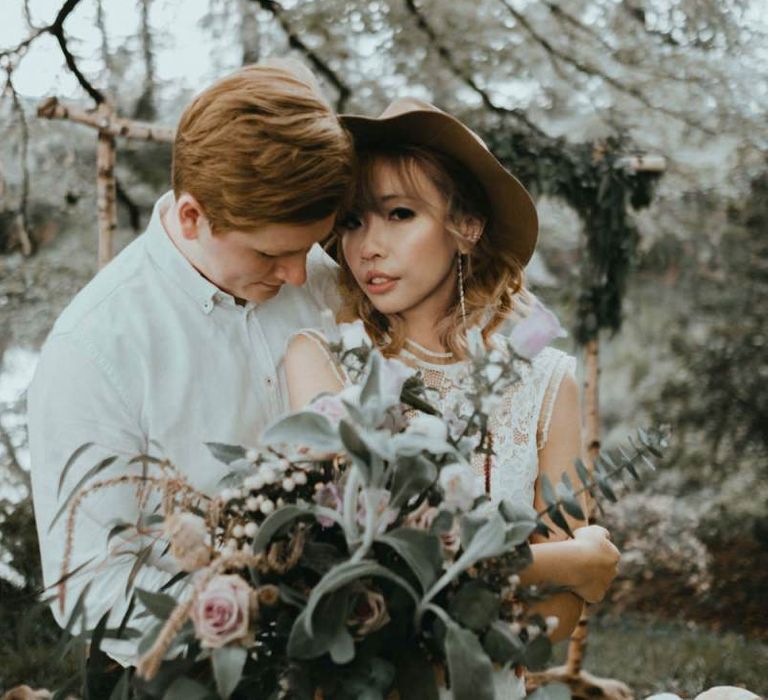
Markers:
{"x": 106, "y": 191}
{"x": 591, "y": 418}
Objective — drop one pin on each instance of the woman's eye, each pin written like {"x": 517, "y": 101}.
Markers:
{"x": 401, "y": 214}
{"x": 349, "y": 222}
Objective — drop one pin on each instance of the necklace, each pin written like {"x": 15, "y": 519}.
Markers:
{"x": 425, "y": 355}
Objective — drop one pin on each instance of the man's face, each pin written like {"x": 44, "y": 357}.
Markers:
{"x": 254, "y": 265}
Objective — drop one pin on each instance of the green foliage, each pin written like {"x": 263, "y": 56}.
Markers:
{"x": 717, "y": 400}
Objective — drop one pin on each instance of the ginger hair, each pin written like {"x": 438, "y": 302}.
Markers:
{"x": 262, "y": 146}
{"x": 493, "y": 276}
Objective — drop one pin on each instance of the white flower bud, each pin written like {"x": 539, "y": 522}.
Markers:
{"x": 268, "y": 474}
{"x": 299, "y": 477}
{"x": 252, "y": 503}
{"x": 251, "y": 454}
{"x": 533, "y": 631}
{"x": 515, "y": 628}
{"x": 267, "y": 507}
{"x": 553, "y": 622}
{"x": 251, "y": 529}
{"x": 514, "y": 581}
{"x": 280, "y": 502}
{"x": 288, "y": 484}
{"x": 254, "y": 482}
{"x": 238, "y": 531}
{"x": 232, "y": 544}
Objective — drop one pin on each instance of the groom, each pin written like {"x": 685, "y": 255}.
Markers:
{"x": 178, "y": 341}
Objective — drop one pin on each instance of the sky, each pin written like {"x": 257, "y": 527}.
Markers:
{"x": 183, "y": 47}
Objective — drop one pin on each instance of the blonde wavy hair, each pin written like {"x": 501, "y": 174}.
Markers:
{"x": 493, "y": 276}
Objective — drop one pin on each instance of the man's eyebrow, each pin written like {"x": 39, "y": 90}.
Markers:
{"x": 277, "y": 253}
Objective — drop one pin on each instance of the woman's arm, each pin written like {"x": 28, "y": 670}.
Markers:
{"x": 310, "y": 369}
{"x": 587, "y": 563}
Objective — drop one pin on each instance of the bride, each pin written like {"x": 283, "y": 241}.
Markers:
{"x": 433, "y": 242}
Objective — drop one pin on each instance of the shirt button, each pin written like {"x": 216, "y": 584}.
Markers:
{"x": 208, "y": 306}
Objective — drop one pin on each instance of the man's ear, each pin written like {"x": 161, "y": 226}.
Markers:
{"x": 192, "y": 220}
{"x": 471, "y": 228}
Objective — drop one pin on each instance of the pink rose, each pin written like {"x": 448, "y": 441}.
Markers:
{"x": 221, "y": 612}
{"x": 534, "y": 332}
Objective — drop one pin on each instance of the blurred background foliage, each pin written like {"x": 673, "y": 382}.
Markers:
{"x": 559, "y": 90}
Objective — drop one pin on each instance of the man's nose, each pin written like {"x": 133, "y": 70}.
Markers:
{"x": 294, "y": 270}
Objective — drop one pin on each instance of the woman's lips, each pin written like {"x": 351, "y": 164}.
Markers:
{"x": 380, "y": 284}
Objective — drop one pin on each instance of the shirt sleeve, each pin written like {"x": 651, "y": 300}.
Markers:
{"x": 74, "y": 400}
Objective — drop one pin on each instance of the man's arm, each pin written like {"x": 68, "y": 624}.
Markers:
{"x": 74, "y": 399}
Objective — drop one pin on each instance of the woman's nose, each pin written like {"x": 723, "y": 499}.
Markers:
{"x": 372, "y": 243}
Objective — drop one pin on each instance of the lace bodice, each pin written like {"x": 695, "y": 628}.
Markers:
{"x": 519, "y": 425}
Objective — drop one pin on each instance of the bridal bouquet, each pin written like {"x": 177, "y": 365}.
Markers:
{"x": 351, "y": 555}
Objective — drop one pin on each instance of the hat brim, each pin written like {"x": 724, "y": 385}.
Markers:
{"x": 515, "y": 220}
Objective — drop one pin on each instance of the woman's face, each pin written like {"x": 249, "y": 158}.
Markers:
{"x": 401, "y": 254}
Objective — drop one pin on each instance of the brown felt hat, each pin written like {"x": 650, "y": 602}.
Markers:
{"x": 408, "y": 120}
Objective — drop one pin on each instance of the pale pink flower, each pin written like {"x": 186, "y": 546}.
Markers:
{"x": 459, "y": 487}
{"x": 393, "y": 376}
{"x": 430, "y": 427}
{"x": 328, "y": 496}
{"x": 221, "y": 613}
{"x": 330, "y": 406}
{"x": 533, "y": 333}
{"x": 188, "y": 536}
{"x": 384, "y": 515}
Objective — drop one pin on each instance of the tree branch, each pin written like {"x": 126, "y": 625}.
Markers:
{"x": 134, "y": 213}
{"x": 447, "y": 56}
{"x": 114, "y": 126}
{"x": 22, "y": 215}
{"x": 593, "y": 71}
{"x": 55, "y": 29}
{"x": 318, "y": 63}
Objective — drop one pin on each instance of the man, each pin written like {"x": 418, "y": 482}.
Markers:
{"x": 178, "y": 341}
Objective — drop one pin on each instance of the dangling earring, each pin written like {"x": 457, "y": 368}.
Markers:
{"x": 461, "y": 293}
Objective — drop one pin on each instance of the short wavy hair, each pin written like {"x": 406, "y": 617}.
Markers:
{"x": 493, "y": 276}
{"x": 262, "y": 146}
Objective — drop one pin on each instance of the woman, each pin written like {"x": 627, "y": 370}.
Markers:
{"x": 434, "y": 242}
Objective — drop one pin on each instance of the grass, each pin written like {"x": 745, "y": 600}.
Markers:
{"x": 653, "y": 656}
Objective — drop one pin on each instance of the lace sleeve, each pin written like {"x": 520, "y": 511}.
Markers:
{"x": 556, "y": 366}
{"x": 320, "y": 341}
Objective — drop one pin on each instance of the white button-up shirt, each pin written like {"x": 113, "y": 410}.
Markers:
{"x": 150, "y": 357}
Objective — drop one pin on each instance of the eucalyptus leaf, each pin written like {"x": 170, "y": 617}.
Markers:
{"x": 547, "y": 491}
{"x": 583, "y": 472}
{"x": 514, "y": 511}
{"x": 474, "y": 606}
{"x": 538, "y": 652}
{"x": 228, "y": 663}
{"x": 501, "y": 645}
{"x": 410, "y": 477}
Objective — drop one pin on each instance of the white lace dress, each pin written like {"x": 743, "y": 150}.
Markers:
{"x": 519, "y": 425}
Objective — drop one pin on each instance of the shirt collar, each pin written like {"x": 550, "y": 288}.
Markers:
{"x": 171, "y": 260}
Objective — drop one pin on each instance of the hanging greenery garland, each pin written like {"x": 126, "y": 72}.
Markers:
{"x": 593, "y": 181}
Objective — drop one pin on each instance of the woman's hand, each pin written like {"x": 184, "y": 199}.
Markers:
{"x": 598, "y": 560}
